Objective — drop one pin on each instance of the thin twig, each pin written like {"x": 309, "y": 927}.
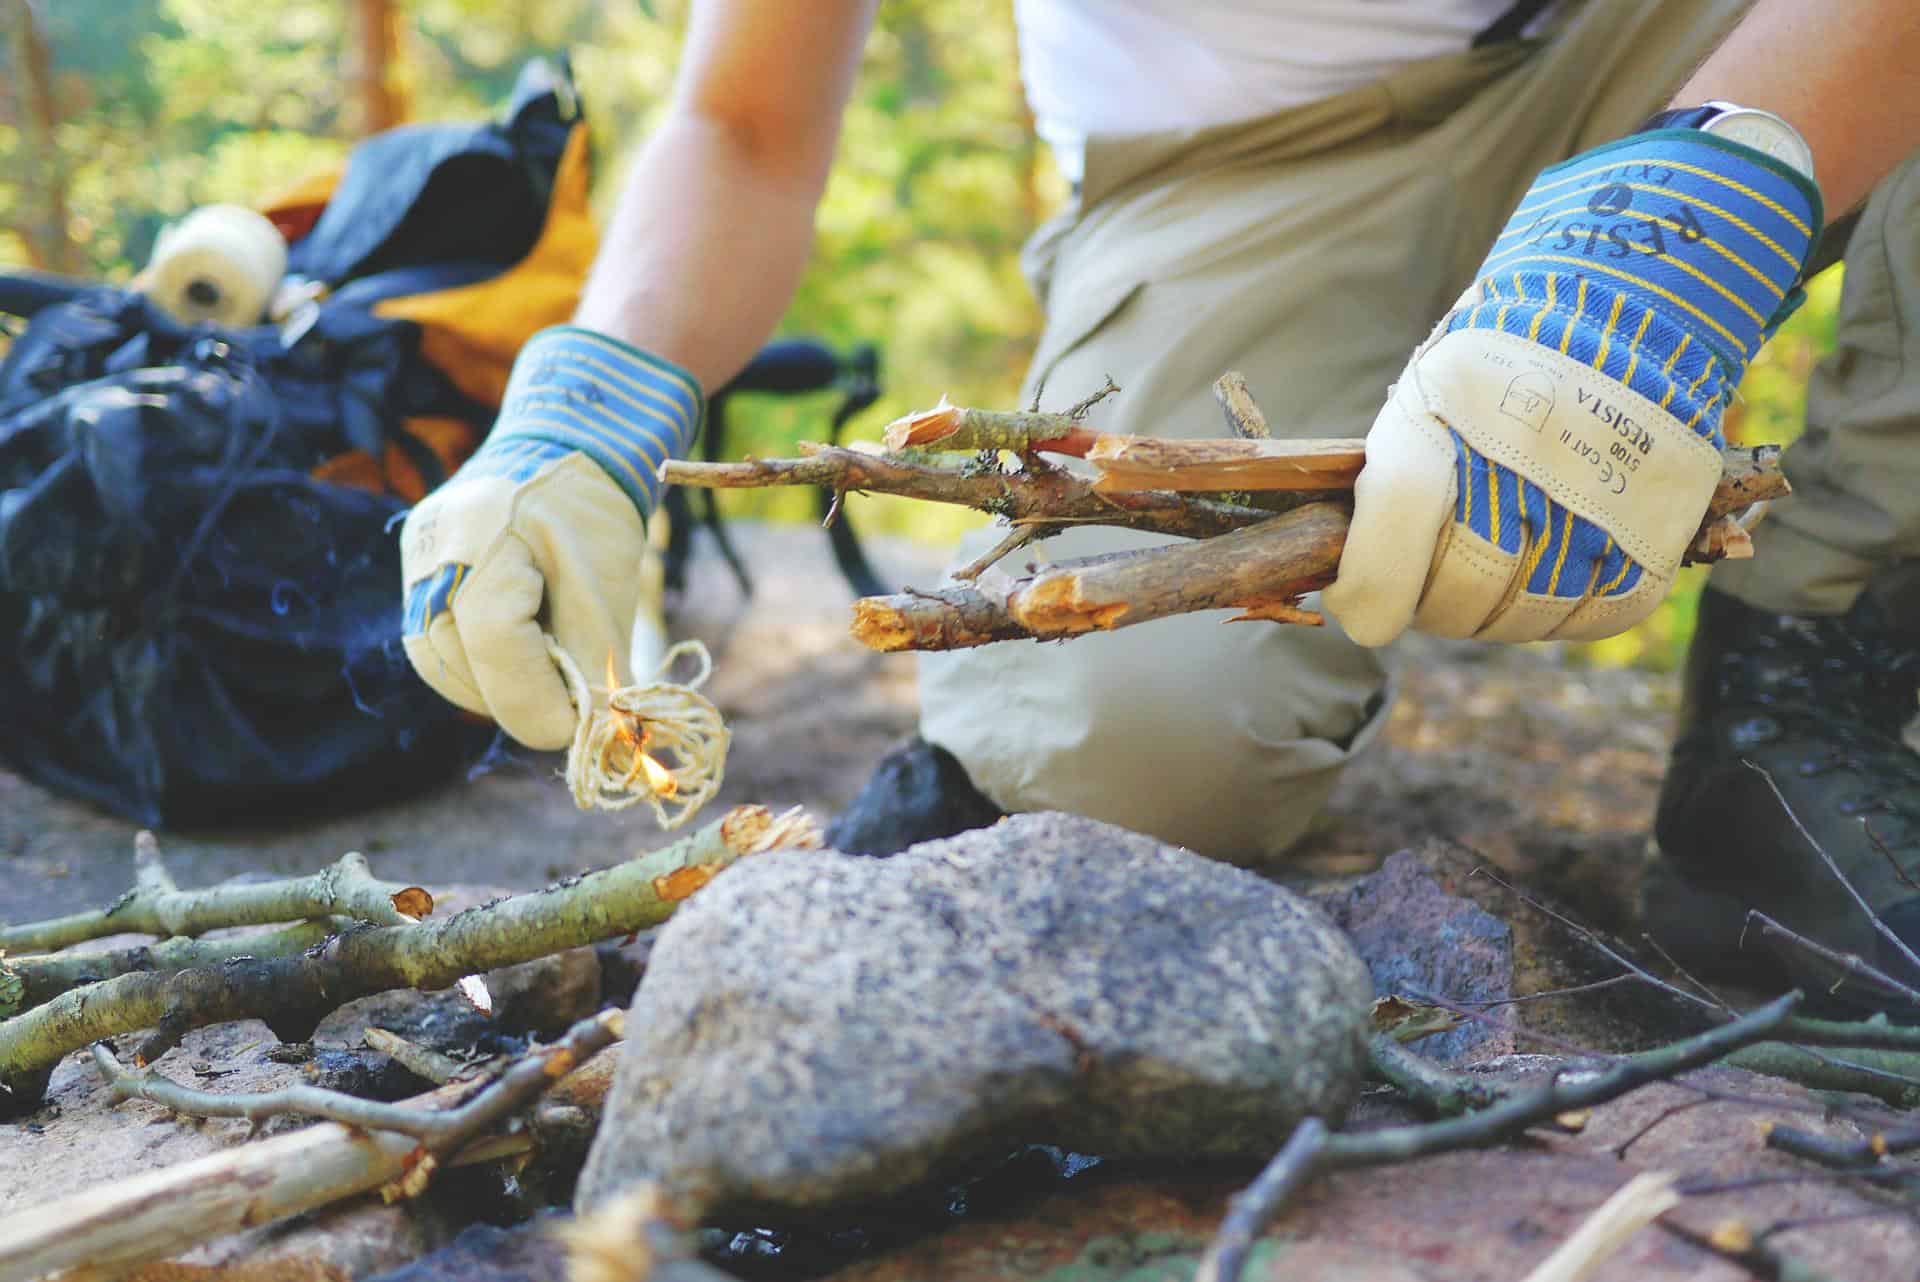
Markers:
{"x": 1593, "y": 939}
{"x": 1687, "y": 975}
{"x": 1019, "y": 538}
{"x": 150, "y": 1215}
{"x": 1254, "y": 1207}
{"x": 1758, "y": 1258}
{"x": 439, "y": 1130}
{"x": 1443, "y": 1092}
{"x": 1906, "y": 878}
{"x": 1518, "y": 1111}
{"x": 311, "y": 1101}
{"x": 423, "y": 1062}
{"x": 1611, "y": 981}
{"x": 1843, "y": 1155}
{"x": 1880, "y": 927}
{"x": 1849, "y": 964}
{"x": 1802, "y": 1064}
{"x": 156, "y": 907}
{"x": 1078, "y": 410}
{"x": 1049, "y": 494}
{"x": 44, "y": 976}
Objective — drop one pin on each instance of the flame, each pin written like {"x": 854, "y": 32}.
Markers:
{"x": 659, "y": 778}
{"x": 632, "y": 731}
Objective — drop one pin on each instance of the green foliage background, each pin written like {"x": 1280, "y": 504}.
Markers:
{"x": 170, "y": 104}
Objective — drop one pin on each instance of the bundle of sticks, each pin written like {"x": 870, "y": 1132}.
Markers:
{"x": 1264, "y": 519}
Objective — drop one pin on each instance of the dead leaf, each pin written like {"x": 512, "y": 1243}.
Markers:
{"x": 1407, "y": 1019}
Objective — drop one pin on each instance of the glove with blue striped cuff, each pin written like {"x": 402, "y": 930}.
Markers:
{"x": 544, "y": 530}
{"x": 1548, "y": 453}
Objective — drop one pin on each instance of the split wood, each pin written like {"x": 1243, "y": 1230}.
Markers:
{"x": 1244, "y": 556}
{"x": 292, "y": 994}
{"x": 641, "y": 1234}
{"x": 393, "y": 1147}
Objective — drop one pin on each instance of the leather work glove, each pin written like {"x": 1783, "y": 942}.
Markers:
{"x": 1548, "y": 453}
{"x": 544, "y": 530}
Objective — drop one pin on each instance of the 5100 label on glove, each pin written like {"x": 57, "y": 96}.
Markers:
{"x": 1593, "y": 446}
{"x": 1568, "y": 502}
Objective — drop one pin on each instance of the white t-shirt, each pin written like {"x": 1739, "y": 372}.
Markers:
{"x": 1097, "y": 68}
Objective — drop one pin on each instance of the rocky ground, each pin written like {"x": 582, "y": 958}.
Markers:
{"x": 1505, "y": 757}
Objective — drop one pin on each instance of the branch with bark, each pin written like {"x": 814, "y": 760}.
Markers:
{"x": 366, "y": 1146}
{"x": 155, "y": 906}
{"x": 1223, "y": 494}
{"x": 1314, "y": 1151}
{"x": 293, "y": 993}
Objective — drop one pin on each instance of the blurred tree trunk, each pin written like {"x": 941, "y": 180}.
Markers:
{"x": 49, "y": 244}
{"x": 374, "y": 31}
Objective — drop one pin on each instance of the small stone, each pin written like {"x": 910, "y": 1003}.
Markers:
{"x": 1421, "y": 942}
{"x": 816, "y": 1028}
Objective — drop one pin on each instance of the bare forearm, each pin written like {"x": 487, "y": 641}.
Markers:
{"x": 714, "y": 226}
{"x": 704, "y": 251}
{"x": 1840, "y": 73}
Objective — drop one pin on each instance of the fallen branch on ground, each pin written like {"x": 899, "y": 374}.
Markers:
{"x": 1434, "y": 1088}
{"x": 159, "y": 1213}
{"x": 155, "y": 906}
{"x": 292, "y": 994}
{"x": 1319, "y": 1152}
{"x": 26, "y": 982}
{"x": 439, "y": 1130}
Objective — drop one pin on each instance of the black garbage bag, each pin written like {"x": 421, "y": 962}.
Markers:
{"x": 194, "y": 625}
{"x": 195, "y": 628}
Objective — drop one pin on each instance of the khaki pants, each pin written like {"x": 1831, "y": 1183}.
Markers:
{"x": 1312, "y": 250}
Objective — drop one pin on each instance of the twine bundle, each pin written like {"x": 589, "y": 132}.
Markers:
{"x": 666, "y": 725}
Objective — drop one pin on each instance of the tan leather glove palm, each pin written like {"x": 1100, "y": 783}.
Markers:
{"x": 544, "y": 532}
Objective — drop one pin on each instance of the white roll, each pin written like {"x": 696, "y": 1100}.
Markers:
{"x": 221, "y": 263}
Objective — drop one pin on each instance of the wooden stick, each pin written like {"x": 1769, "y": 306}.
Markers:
{"x": 292, "y": 994}
{"x": 1257, "y": 569}
{"x": 1244, "y": 417}
{"x": 1151, "y": 463}
{"x": 1261, "y": 570}
{"x": 1044, "y": 494}
{"x": 1167, "y": 504}
{"x": 155, "y": 906}
{"x": 156, "y": 1214}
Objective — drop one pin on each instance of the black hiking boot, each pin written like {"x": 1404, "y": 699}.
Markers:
{"x": 1817, "y": 704}
{"x": 918, "y": 792}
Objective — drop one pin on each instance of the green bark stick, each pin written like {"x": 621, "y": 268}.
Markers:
{"x": 26, "y": 982}
{"x": 155, "y": 906}
{"x": 292, "y": 994}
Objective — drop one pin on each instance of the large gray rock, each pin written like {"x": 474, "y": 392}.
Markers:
{"x": 820, "y": 1028}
